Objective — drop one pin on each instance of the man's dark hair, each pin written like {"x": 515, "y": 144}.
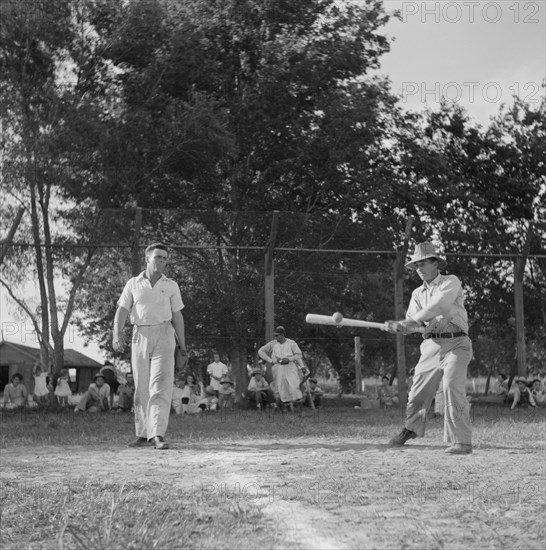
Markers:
{"x": 153, "y": 246}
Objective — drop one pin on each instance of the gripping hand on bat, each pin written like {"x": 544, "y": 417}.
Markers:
{"x": 407, "y": 326}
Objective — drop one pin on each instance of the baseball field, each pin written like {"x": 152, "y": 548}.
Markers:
{"x": 317, "y": 480}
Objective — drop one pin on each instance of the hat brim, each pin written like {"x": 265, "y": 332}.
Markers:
{"x": 441, "y": 262}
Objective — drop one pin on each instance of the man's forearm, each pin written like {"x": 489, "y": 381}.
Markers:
{"x": 179, "y": 329}
{"x": 119, "y": 320}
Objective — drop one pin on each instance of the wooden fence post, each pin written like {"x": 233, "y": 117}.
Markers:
{"x": 136, "y": 260}
{"x": 358, "y": 366}
{"x": 399, "y": 314}
{"x": 269, "y": 283}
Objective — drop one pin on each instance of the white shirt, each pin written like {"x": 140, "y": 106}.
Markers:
{"x": 150, "y": 305}
{"x": 40, "y": 385}
{"x": 219, "y": 370}
{"x": 440, "y": 305}
{"x": 276, "y": 351}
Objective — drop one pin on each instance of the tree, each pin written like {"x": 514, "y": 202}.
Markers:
{"x": 296, "y": 121}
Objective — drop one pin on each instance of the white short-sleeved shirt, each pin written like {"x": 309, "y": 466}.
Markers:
{"x": 219, "y": 370}
{"x": 150, "y": 305}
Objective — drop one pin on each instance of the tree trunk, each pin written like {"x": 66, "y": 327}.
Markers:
{"x": 238, "y": 365}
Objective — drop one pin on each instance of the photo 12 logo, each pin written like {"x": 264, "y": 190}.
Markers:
{"x": 470, "y": 92}
{"x": 471, "y": 12}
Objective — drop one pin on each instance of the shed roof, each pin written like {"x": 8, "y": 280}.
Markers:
{"x": 11, "y": 352}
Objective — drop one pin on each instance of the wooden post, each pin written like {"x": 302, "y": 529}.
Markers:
{"x": 519, "y": 274}
{"x": 399, "y": 314}
{"x": 269, "y": 283}
{"x": 358, "y": 366}
{"x": 521, "y": 360}
{"x": 137, "y": 260}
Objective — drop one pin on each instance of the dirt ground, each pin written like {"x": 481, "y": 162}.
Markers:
{"x": 333, "y": 495}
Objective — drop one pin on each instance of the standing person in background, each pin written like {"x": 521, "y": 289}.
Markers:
{"x": 41, "y": 389}
{"x": 284, "y": 355}
{"x": 216, "y": 371}
{"x": 63, "y": 391}
{"x": 446, "y": 351}
{"x": 154, "y": 304}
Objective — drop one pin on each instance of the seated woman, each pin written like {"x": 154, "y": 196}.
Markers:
{"x": 191, "y": 400}
{"x": 15, "y": 394}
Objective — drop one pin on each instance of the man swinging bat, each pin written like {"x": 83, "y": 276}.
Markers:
{"x": 437, "y": 310}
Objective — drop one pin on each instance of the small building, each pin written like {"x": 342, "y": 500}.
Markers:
{"x": 19, "y": 358}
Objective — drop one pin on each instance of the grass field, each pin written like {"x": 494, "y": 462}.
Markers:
{"x": 260, "y": 480}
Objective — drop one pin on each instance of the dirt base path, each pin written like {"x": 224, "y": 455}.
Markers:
{"x": 335, "y": 494}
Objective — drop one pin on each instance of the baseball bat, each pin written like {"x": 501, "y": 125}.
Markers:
{"x": 337, "y": 320}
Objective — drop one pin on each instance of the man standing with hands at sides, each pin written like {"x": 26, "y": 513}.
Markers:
{"x": 154, "y": 304}
{"x": 446, "y": 351}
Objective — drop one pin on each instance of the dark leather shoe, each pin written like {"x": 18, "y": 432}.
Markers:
{"x": 138, "y": 442}
{"x": 159, "y": 443}
{"x": 402, "y": 437}
{"x": 459, "y": 449}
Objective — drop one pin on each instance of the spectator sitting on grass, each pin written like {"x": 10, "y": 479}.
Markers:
{"x": 192, "y": 401}
{"x": 522, "y": 395}
{"x": 537, "y": 393}
{"x": 126, "y": 393}
{"x": 385, "y": 393}
{"x": 15, "y": 393}
{"x": 111, "y": 379}
{"x": 315, "y": 393}
{"x": 41, "y": 387}
{"x": 97, "y": 397}
{"x": 258, "y": 389}
{"x": 210, "y": 397}
{"x": 502, "y": 385}
{"x": 226, "y": 393}
{"x": 500, "y": 394}
{"x": 178, "y": 393}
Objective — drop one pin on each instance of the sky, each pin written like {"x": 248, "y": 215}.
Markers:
{"x": 476, "y": 53}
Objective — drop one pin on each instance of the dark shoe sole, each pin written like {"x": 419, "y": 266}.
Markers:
{"x": 138, "y": 443}
{"x": 450, "y": 451}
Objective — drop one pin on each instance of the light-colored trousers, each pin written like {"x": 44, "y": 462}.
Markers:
{"x": 442, "y": 360}
{"x": 152, "y": 356}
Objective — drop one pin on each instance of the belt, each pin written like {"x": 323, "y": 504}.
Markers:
{"x": 444, "y": 335}
{"x": 155, "y": 325}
